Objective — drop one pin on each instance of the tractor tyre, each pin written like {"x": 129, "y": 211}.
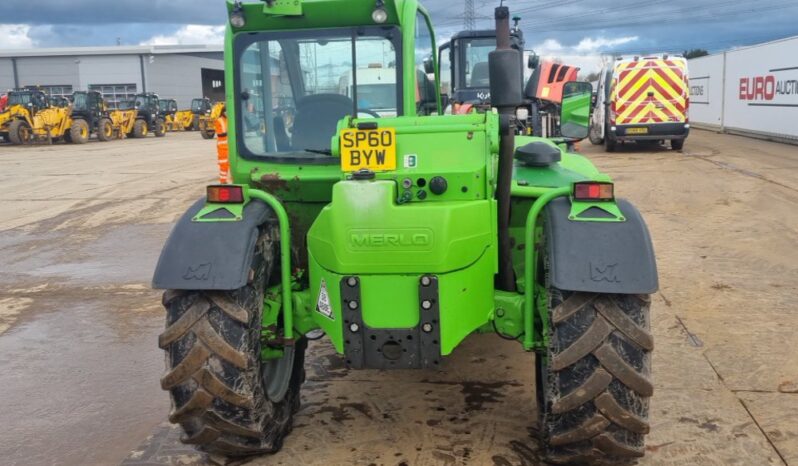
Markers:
{"x": 160, "y": 128}
{"x": 20, "y": 132}
{"x": 595, "y": 378}
{"x": 79, "y": 132}
{"x": 227, "y": 400}
{"x": 677, "y": 144}
{"x": 105, "y": 130}
{"x": 140, "y": 129}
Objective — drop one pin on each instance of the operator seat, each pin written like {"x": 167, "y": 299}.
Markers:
{"x": 317, "y": 119}
{"x": 480, "y": 75}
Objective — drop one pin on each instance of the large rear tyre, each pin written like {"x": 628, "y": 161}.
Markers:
{"x": 677, "y": 144}
{"x": 224, "y": 397}
{"x": 140, "y": 129}
{"x": 20, "y": 132}
{"x": 79, "y": 132}
{"x": 105, "y": 130}
{"x": 595, "y": 378}
{"x": 160, "y": 128}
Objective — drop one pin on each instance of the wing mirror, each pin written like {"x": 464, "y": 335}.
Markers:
{"x": 575, "y": 109}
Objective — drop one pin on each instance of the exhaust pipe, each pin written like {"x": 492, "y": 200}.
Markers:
{"x": 506, "y": 86}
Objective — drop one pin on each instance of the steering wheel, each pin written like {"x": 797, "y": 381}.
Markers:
{"x": 368, "y": 112}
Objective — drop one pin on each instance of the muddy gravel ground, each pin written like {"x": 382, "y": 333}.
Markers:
{"x": 81, "y": 228}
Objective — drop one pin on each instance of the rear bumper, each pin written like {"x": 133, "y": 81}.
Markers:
{"x": 656, "y": 131}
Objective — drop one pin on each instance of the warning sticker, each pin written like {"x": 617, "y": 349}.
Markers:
{"x": 323, "y": 303}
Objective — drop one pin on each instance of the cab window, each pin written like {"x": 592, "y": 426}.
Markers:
{"x": 294, "y": 87}
{"x": 426, "y": 102}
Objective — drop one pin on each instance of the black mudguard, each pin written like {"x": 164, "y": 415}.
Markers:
{"x": 210, "y": 255}
{"x": 599, "y": 257}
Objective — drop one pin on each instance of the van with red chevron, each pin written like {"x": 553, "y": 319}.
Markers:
{"x": 642, "y": 99}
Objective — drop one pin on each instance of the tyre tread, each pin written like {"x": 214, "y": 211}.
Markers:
{"x": 595, "y": 408}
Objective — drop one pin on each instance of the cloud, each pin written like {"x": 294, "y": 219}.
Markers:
{"x": 191, "y": 34}
{"x": 586, "y": 54}
{"x": 15, "y": 36}
{"x": 589, "y": 44}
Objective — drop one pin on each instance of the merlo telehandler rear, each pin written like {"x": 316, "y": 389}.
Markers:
{"x": 398, "y": 236}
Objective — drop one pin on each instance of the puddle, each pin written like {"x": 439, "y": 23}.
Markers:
{"x": 75, "y": 387}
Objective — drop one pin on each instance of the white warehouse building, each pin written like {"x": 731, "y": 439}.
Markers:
{"x": 181, "y": 72}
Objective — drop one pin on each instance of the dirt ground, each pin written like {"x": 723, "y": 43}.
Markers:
{"x": 81, "y": 228}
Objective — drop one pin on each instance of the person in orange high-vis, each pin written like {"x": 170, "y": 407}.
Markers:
{"x": 222, "y": 150}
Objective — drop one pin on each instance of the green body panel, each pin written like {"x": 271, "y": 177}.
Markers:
{"x": 365, "y": 231}
{"x": 391, "y": 301}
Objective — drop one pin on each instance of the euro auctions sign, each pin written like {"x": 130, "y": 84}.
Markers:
{"x": 778, "y": 88}
{"x": 761, "y": 89}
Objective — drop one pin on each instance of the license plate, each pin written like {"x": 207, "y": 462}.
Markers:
{"x": 370, "y": 149}
{"x": 636, "y": 130}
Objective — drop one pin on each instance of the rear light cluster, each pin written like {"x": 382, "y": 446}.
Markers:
{"x": 225, "y": 194}
{"x": 593, "y": 191}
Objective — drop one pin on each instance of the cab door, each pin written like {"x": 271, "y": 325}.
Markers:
{"x": 598, "y": 118}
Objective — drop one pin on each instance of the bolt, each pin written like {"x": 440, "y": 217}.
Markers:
{"x": 425, "y": 281}
{"x": 427, "y": 327}
{"x": 353, "y": 305}
{"x": 426, "y": 304}
{"x": 499, "y": 312}
{"x": 354, "y": 327}
{"x": 351, "y": 281}
{"x": 407, "y": 183}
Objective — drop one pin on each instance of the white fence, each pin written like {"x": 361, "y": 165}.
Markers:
{"x": 752, "y": 90}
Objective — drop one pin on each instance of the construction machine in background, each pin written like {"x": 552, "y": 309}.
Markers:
{"x": 174, "y": 119}
{"x": 147, "y": 117}
{"x": 469, "y": 81}
{"x": 30, "y": 117}
{"x": 17, "y": 118}
{"x": 207, "y": 120}
{"x": 205, "y": 114}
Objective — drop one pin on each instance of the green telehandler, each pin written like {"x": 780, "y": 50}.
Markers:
{"x": 398, "y": 237}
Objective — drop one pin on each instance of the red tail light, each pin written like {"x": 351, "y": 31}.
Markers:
{"x": 594, "y": 191}
{"x": 225, "y": 194}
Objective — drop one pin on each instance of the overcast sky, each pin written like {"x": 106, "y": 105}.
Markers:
{"x": 570, "y": 29}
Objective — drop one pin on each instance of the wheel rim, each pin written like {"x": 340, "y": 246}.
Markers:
{"x": 108, "y": 130}
{"x": 84, "y": 132}
{"x": 276, "y": 375}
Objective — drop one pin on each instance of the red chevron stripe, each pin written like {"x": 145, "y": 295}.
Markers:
{"x": 633, "y": 81}
{"x": 676, "y": 87}
{"x": 668, "y": 95}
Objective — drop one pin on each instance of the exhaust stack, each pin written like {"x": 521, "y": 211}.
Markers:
{"x": 506, "y": 84}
